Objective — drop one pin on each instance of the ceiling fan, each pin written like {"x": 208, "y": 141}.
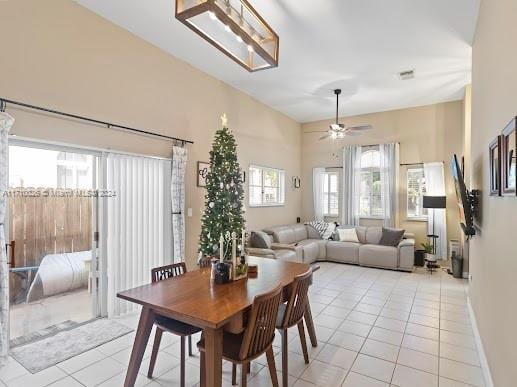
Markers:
{"x": 338, "y": 130}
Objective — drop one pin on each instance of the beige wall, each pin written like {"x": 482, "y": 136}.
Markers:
{"x": 57, "y": 54}
{"x": 426, "y": 134}
{"x": 493, "y": 255}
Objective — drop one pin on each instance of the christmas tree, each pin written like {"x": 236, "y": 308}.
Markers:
{"x": 223, "y": 201}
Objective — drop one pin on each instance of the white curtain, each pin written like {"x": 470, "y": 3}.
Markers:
{"x": 138, "y": 224}
{"x": 179, "y": 165}
{"x": 435, "y": 186}
{"x": 389, "y": 166}
{"x": 318, "y": 176}
{"x": 351, "y": 164}
{"x": 6, "y": 122}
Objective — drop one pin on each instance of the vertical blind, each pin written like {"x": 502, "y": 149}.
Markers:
{"x": 138, "y": 223}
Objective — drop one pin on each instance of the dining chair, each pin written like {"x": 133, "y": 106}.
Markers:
{"x": 291, "y": 314}
{"x": 256, "y": 339}
{"x": 166, "y": 324}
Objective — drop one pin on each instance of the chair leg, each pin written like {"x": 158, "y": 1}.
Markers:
{"x": 310, "y": 324}
{"x": 190, "y": 346}
{"x": 202, "y": 365}
{"x": 301, "y": 331}
{"x": 154, "y": 354}
{"x": 244, "y": 375}
{"x": 234, "y": 374}
{"x": 248, "y": 367}
{"x": 285, "y": 374}
{"x": 182, "y": 365}
{"x": 272, "y": 367}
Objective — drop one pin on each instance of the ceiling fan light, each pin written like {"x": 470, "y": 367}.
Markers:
{"x": 333, "y": 135}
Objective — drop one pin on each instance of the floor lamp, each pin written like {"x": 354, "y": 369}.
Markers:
{"x": 434, "y": 203}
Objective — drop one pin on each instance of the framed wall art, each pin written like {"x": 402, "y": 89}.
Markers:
{"x": 494, "y": 150}
{"x": 202, "y": 171}
{"x": 508, "y": 159}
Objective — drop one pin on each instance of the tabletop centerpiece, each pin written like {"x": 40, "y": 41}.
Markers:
{"x": 223, "y": 217}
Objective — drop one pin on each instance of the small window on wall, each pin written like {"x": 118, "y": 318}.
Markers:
{"x": 330, "y": 195}
{"x": 415, "y": 194}
{"x": 266, "y": 186}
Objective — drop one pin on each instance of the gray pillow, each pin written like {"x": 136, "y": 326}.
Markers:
{"x": 391, "y": 236}
{"x": 260, "y": 240}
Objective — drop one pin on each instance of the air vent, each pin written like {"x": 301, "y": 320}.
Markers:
{"x": 405, "y": 75}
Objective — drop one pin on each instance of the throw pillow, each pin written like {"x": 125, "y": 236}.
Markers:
{"x": 319, "y": 225}
{"x": 391, "y": 236}
{"x": 260, "y": 240}
{"x": 329, "y": 231}
{"x": 347, "y": 235}
{"x": 323, "y": 228}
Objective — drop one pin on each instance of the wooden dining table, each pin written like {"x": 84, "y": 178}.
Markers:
{"x": 195, "y": 299}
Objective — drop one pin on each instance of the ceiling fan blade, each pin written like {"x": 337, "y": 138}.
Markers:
{"x": 317, "y": 131}
{"x": 359, "y": 127}
{"x": 325, "y": 136}
{"x": 352, "y": 133}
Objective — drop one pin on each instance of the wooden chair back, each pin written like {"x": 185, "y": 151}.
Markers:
{"x": 260, "y": 332}
{"x": 164, "y": 272}
{"x": 297, "y": 299}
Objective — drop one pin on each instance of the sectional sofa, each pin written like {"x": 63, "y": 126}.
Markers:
{"x": 302, "y": 243}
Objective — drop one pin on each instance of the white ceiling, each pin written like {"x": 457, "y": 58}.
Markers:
{"x": 357, "y": 45}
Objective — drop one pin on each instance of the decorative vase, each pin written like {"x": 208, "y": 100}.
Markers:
{"x": 222, "y": 273}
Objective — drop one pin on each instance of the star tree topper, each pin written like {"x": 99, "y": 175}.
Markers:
{"x": 224, "y": 121}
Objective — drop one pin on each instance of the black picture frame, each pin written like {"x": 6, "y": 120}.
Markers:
{"x": 509, "y": 159}
{"x": 494, "y": 151}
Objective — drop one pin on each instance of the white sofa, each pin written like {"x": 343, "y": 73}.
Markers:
{"x": 302, "y": 243}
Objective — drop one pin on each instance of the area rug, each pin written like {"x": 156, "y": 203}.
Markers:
{"x": 42, "y": 333}
{"x": 49, "y": 351}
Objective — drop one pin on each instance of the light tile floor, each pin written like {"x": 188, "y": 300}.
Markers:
{"x": 27, "y": 318}
{"x": 375, "y": 328}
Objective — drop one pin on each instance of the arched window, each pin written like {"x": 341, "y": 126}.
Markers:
{"x": 370, "y": 197}
{"x": 371, "y": 159}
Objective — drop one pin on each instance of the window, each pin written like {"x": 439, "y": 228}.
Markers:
{"x": 370, "y": 199}
{"x": 415, "y": 193}
{"x": 330, "y": 194}
{"x": 266, "y": 186}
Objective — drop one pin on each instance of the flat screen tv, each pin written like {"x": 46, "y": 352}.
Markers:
{"x": 464, "y": 199}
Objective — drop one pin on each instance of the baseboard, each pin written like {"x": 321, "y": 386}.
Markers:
{"x": 479, "y": 344}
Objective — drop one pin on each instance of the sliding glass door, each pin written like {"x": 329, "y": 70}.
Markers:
{"x": 52, "y": 238}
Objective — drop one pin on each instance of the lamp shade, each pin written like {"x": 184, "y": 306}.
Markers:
{"x": 435, "y": 202}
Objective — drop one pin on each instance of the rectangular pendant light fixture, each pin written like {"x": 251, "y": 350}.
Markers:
{"x": 235, "y": 28}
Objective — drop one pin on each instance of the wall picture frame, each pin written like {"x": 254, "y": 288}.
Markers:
{"x": 202, "y": 171}
{"x": 494, "y": 151}
{"x": 509, "y": 159}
